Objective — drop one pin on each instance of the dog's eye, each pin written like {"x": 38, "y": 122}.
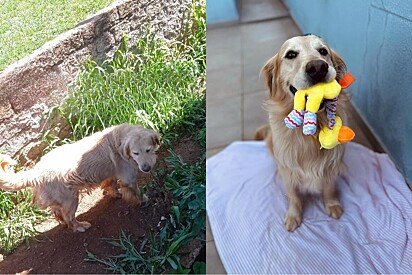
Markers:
{"x": 136, "y": 153}
{"x": 323, "y": 51}
{"x": 291, "y": 54}
{"x": 148, "y": 150}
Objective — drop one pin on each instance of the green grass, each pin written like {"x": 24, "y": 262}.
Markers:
{"x": 18, "y": 216}
{"x": 152, "y": 85}
{"x": 27, "y": 25}
{"x": 187, "y": 185}
{"x": 148, "y": 82}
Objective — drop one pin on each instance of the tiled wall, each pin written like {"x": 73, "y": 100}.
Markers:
{"x": 374, "y": 37}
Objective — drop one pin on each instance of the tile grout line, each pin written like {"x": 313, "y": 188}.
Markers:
{"x": 242, "y": 74}
{"x": 265, "y": 20}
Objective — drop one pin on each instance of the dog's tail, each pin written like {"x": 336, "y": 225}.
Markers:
{"x": 262, "y": 132}
{"x": 11, "y": 181}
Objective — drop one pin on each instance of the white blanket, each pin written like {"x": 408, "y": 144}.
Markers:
{"x": 246, "y": 205}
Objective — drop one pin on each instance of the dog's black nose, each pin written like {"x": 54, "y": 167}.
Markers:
{"x": 146, "y": 168}
{"x": 317, "y": 70}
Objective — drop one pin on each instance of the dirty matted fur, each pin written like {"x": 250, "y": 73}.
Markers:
{"x": 302, "y": 166}
{"x": 100, "y": 159}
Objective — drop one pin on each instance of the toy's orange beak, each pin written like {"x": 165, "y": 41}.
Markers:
{"x": 6, "y": 163}
{"x": 5, "y": 166}
{"x": 346, "y": 80}
{"x": 345, "y": 134}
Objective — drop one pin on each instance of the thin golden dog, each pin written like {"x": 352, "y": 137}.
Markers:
{"x": 100, "y": 159}
{"x": 300, "y": 63}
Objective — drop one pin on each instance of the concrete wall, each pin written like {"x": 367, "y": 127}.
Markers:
{"x": 374, "y": 37}
{"x": 30, "y": 87}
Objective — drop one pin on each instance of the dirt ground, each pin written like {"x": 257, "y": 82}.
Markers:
{"x": 59, "y": 250}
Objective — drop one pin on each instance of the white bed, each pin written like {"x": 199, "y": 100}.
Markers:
{"x": 246, "y": 207}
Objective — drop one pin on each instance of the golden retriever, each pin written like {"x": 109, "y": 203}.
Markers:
{"x": 100, "y": 159}
{"x": 300, "y": 63}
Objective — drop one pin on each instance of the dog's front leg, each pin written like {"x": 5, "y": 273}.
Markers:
{"x": 293, "y": 217}
{"x": 331, "y": 201}
{"x": 131, "y": 194}
{"x": 110, "y": 188}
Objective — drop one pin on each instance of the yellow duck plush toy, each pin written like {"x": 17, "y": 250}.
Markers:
{"x": 307, "y": 103}
{"x": 315, "y": 95}
{"x": 339, "y": 134}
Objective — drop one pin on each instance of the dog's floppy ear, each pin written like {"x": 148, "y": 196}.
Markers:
{"x": 155, "y": 137}
{"x": 126, "y": 150}
{"x": 339, "y": 65}
{"x": 269, "y": 72}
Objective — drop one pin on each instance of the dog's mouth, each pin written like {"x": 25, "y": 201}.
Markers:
{"x": 293, "y": 90}
{"x": 145, "y": 170}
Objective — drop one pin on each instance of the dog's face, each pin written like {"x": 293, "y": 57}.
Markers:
{"x": 302, "y": 62}
{"x": 141, "y": 148}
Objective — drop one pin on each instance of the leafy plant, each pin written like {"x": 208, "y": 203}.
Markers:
{"x": 186, "y": 221}
{"x": 154, "y": 85}
{"x": 199, "y": 268}
{"x": 188, "y": 186}
{"x": 18, "y": 217}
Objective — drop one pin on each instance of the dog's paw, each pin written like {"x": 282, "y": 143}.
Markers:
{"x": 81, "y": 226}
{"x": 334, "y": 210}
{"x": 145, "y": 198}
{"x": 112, "y": 194}
{"x": 292, "y": 222}
{"x": 115, "y": 194}
{"x": 145, "y": 201}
